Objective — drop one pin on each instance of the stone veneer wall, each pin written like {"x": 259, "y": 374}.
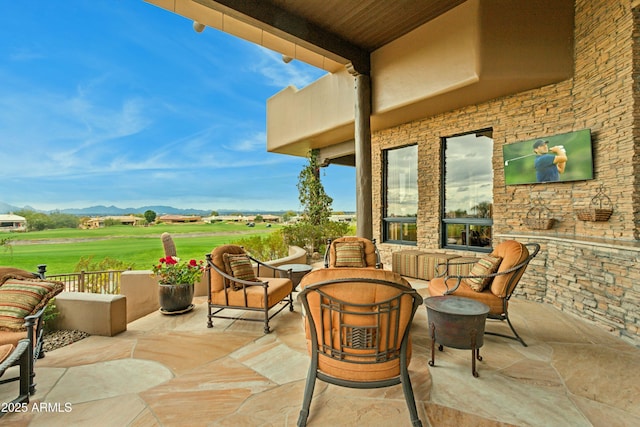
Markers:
{"x": 571, "y": 273}
{"x": 595, "y": 279}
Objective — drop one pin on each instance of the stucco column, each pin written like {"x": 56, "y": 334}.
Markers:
{"x": 364, "y": 227}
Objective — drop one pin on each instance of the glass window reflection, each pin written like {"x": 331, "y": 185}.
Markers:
{"x": 401, "y": 195}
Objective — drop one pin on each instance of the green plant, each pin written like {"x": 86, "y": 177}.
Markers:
{"x": 315, "y": 228}
{"x": 150, "y": 216}
{"x": 5, "y": 242}
{"x": 101, "y": 282}
{"x": 170, "y": 271}
{"x": 316, "y": 203}
{"x": 51, "y": 312}
{"x": 313, "y": 237}
{"x": 266, "y": 248}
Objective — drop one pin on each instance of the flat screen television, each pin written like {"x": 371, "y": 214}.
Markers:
{"x": 559, "y": 158}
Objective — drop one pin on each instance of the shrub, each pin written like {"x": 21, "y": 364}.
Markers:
{"x": 269, "y": 247}
{"x": 50, "y": 313}
{"x": 96, "y": 283}
{"x": 314, "y": 237}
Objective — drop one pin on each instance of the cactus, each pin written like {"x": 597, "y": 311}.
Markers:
{"x": 169, "y": 246}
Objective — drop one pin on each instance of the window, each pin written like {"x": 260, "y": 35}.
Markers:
{"x": 468, "y": 191}
{"x": 400, "y": 195}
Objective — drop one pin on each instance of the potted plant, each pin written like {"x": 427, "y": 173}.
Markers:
{"x": 176, "y": 280}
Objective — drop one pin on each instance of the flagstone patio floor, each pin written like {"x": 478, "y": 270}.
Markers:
{"x": 174, "y": 371}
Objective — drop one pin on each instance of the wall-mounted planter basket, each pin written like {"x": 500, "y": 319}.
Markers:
{"x": 599, "y": 209}
{"x": 539, "y": 216}
{"x": 594, "y": 214}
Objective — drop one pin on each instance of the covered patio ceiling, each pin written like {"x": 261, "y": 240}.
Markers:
{"x": 343, "y": 31}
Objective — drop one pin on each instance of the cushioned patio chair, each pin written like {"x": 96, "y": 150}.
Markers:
{"x": 11, "y": 355}
{"x": 234, "y": 284}
{"x": 23, "y": 299}
{"x": 357, "y": 324}
{"x": 492, "y": 280}
{"x": 352, "y": 251}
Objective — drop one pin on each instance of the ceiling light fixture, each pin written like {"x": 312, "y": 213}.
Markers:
{"x": 286, "y": 59}
{"x": 198, "y": 27}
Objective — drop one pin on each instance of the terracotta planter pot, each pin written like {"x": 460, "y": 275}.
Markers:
{"x": 175, "y": 298}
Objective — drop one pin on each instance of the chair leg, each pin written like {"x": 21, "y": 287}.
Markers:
{"x": 514, "y": 332}
{"x": 408, "y": 395}
{"x": 515, "y": 335}
{"x": 24, "y": 358}
{"x": 27, "y": 374}
{"x": 308, "y": 394}
{"x": 209, "y": 321}
{"x": 266, "y": 321}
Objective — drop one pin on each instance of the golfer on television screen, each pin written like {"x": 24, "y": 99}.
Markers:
{"x": 549, "y": 166}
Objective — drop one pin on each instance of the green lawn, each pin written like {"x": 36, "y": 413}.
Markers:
{"x": 138, "y": 245}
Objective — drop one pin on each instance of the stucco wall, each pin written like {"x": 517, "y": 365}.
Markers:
{"x": 600, "y": 96}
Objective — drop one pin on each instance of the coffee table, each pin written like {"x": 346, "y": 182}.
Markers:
{"x": 458, "y": 323}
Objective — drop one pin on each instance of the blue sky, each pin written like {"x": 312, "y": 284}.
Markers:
{"x": 113, "y": 102}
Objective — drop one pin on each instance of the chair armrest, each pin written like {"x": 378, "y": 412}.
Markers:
{"x": 23, "y": 345}
{"x": 535, "y": 248}
{"x": 271, "y": 267}
{"x": 35, "y": 336}
{"x": 326, "y": 253}
{"x": 235, "y": 279}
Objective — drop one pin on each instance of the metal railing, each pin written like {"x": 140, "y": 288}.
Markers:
{"x": 97, "y": 282}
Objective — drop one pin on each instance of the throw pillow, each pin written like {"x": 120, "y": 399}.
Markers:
{"x": 20, "y": 298}
{"x": 485, "y": 265}
{"x": 239, "y": 266}
{"x": 350, "y": 254}
{"x": 11, "y": 272}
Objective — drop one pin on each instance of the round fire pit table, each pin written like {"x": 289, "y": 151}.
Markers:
{"x": 456, "y": 322}
{"x": 297, "y": 272}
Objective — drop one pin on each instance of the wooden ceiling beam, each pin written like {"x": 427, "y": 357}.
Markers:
{"x": 265, "y": 15}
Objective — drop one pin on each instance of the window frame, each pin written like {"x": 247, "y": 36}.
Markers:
{"x": 387, "y": 220}
{"x": 467, "y": 222}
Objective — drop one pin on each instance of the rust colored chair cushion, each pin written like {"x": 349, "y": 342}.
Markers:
{"x": 373, "y": 293}
{"x": 350, "y": 254}
{"x": 22, "y": 297}
{"x": 218, "y": 282}
{"x": 484, "y": 266}
{"x": 437, "y": 287}
{"x": 512, "y": 253}
{"x": 277, "y": 290}
{"x": 5, "y": 351}
{"x": 13, "y": 337}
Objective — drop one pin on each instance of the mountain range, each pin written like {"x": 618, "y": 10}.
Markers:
{"x": 114, "y": 210}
